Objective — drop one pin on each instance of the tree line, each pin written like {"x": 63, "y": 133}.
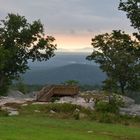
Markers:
{"x": 117, "y": 53}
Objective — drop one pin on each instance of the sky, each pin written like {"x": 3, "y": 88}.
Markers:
{"x": 72, "y": 22}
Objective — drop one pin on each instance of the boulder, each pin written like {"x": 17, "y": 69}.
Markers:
{"x": 11, "y": 111}
{"x": 77, "y": 101}
{"x": 133, "y": 110}
{"x": 53, "y": 112}
{"x": 31, "y": 95}
{"x": 127, "y": 101}
{"x": 15, "y": 94}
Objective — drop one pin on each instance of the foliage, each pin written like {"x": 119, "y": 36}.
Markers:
{"x": 106, "y": 117}
{"x": 106, "y": 113}
{"x": 76, "y": 115}
{"x": 3, "y": 113}
{"x": 65, "y": 110}
{"x": 107, "y": 107}
{"x": 5, "y": 82}
{"x": 132, "y": 8}
{"x": 19, "y": 42}
{"x": 54, "y": 98}
{"x": 21, "y": 86}
{"x": 117, "y": 55}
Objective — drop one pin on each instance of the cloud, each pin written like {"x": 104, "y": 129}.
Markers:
{"x": 72, "y": 18}
{"x": 68, "y": 16}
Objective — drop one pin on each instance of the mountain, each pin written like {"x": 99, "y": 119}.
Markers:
{"x": 84, "y": 73}
{"x": 61, "y": 59}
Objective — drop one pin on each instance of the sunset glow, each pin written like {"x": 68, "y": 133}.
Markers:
{"x": 72, "y": 22}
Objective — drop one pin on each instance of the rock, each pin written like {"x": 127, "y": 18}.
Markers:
{"x": 39, "y": 103}
{"x": 77, "y": 110}
{"x": 90, "y": 131}
{"x": 53, "y": 112}
{"x": 13, "y": 113}
{"x": 15, "y": 94}
{"x": 24, "y": 104}
{"x": 5, "y": 108}
{"x": 6, "y": 100}
{"x": 77, "y": 101}
{"x": 31, "y": 95}
{"x": 127, "y": 101}
{"x": 36, "y": 111}
{"x": 133, "y": 110}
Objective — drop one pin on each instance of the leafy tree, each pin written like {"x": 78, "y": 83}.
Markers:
{"x": 117, "y": 55}
{"x": 132, "y": 7}
{"x": 21, "y": 41}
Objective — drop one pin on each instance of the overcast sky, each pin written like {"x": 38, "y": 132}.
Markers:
{"x": 72, "y": 22}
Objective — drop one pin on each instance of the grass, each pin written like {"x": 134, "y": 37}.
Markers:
{"x": 44, "y": 128}
{"x": 36, "y": 122}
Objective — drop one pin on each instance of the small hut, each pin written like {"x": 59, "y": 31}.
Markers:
{"x": 56, "y": 91}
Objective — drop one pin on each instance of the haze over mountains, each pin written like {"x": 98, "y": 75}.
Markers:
{"x": 63, "y": 67}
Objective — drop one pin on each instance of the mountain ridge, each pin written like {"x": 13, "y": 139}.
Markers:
{"x": 84, "y": 73}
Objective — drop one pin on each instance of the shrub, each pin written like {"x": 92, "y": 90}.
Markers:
{"x": 76, "y": 115}
{"x": 65, "y": 107}
{"x": 105, "y": 117}
{"x": 106, "y": 107}
{"x": 53, "y": 99}
{"x": 3, "y": 113}
{"x": 111, "y": 106}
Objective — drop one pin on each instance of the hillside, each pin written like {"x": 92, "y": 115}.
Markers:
{"x": 84, "y": 73}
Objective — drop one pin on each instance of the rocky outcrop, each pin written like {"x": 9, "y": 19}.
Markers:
{"x": 133, "y": 110}
{"x": 84, "y": 99}
{"x": 127, "y": 101}
{"x": 87, "y": 99}
{"x": 19, "y": 95}
{"x": 77, "y": 101}
{"x": 15, "y": 94}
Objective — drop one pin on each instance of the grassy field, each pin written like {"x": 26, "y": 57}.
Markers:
{"x": 43, "y": 128}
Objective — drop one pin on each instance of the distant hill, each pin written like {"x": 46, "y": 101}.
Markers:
{"x": 62, "y": 59}
{"x": 84, "y": 73}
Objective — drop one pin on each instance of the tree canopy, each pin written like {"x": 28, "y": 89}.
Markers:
{"x": 132, "y": 8}
{"x": 21, "y": 41}
{"x": 116, "y": 53}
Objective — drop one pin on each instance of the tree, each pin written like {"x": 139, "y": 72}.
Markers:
{"x": 117, "y": 55}
{"x": 132, "y": 7}
{"x": 21, "y": 41}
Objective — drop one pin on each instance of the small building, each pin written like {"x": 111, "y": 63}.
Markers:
{"x": 56, "y": 91}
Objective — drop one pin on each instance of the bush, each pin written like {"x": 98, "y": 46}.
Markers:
{"x": 106, "y": 118}
{"x": 4, "y": 87}
{"x": 76, "y": 115}
{"x": 53, "y": 99}
{"x": 3, "y": 113}
{"x": 62, "y": 108}
{"x": 110, "y": 106}
{"x": 106, "y": 107}
{"x": 56, "y": 110}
